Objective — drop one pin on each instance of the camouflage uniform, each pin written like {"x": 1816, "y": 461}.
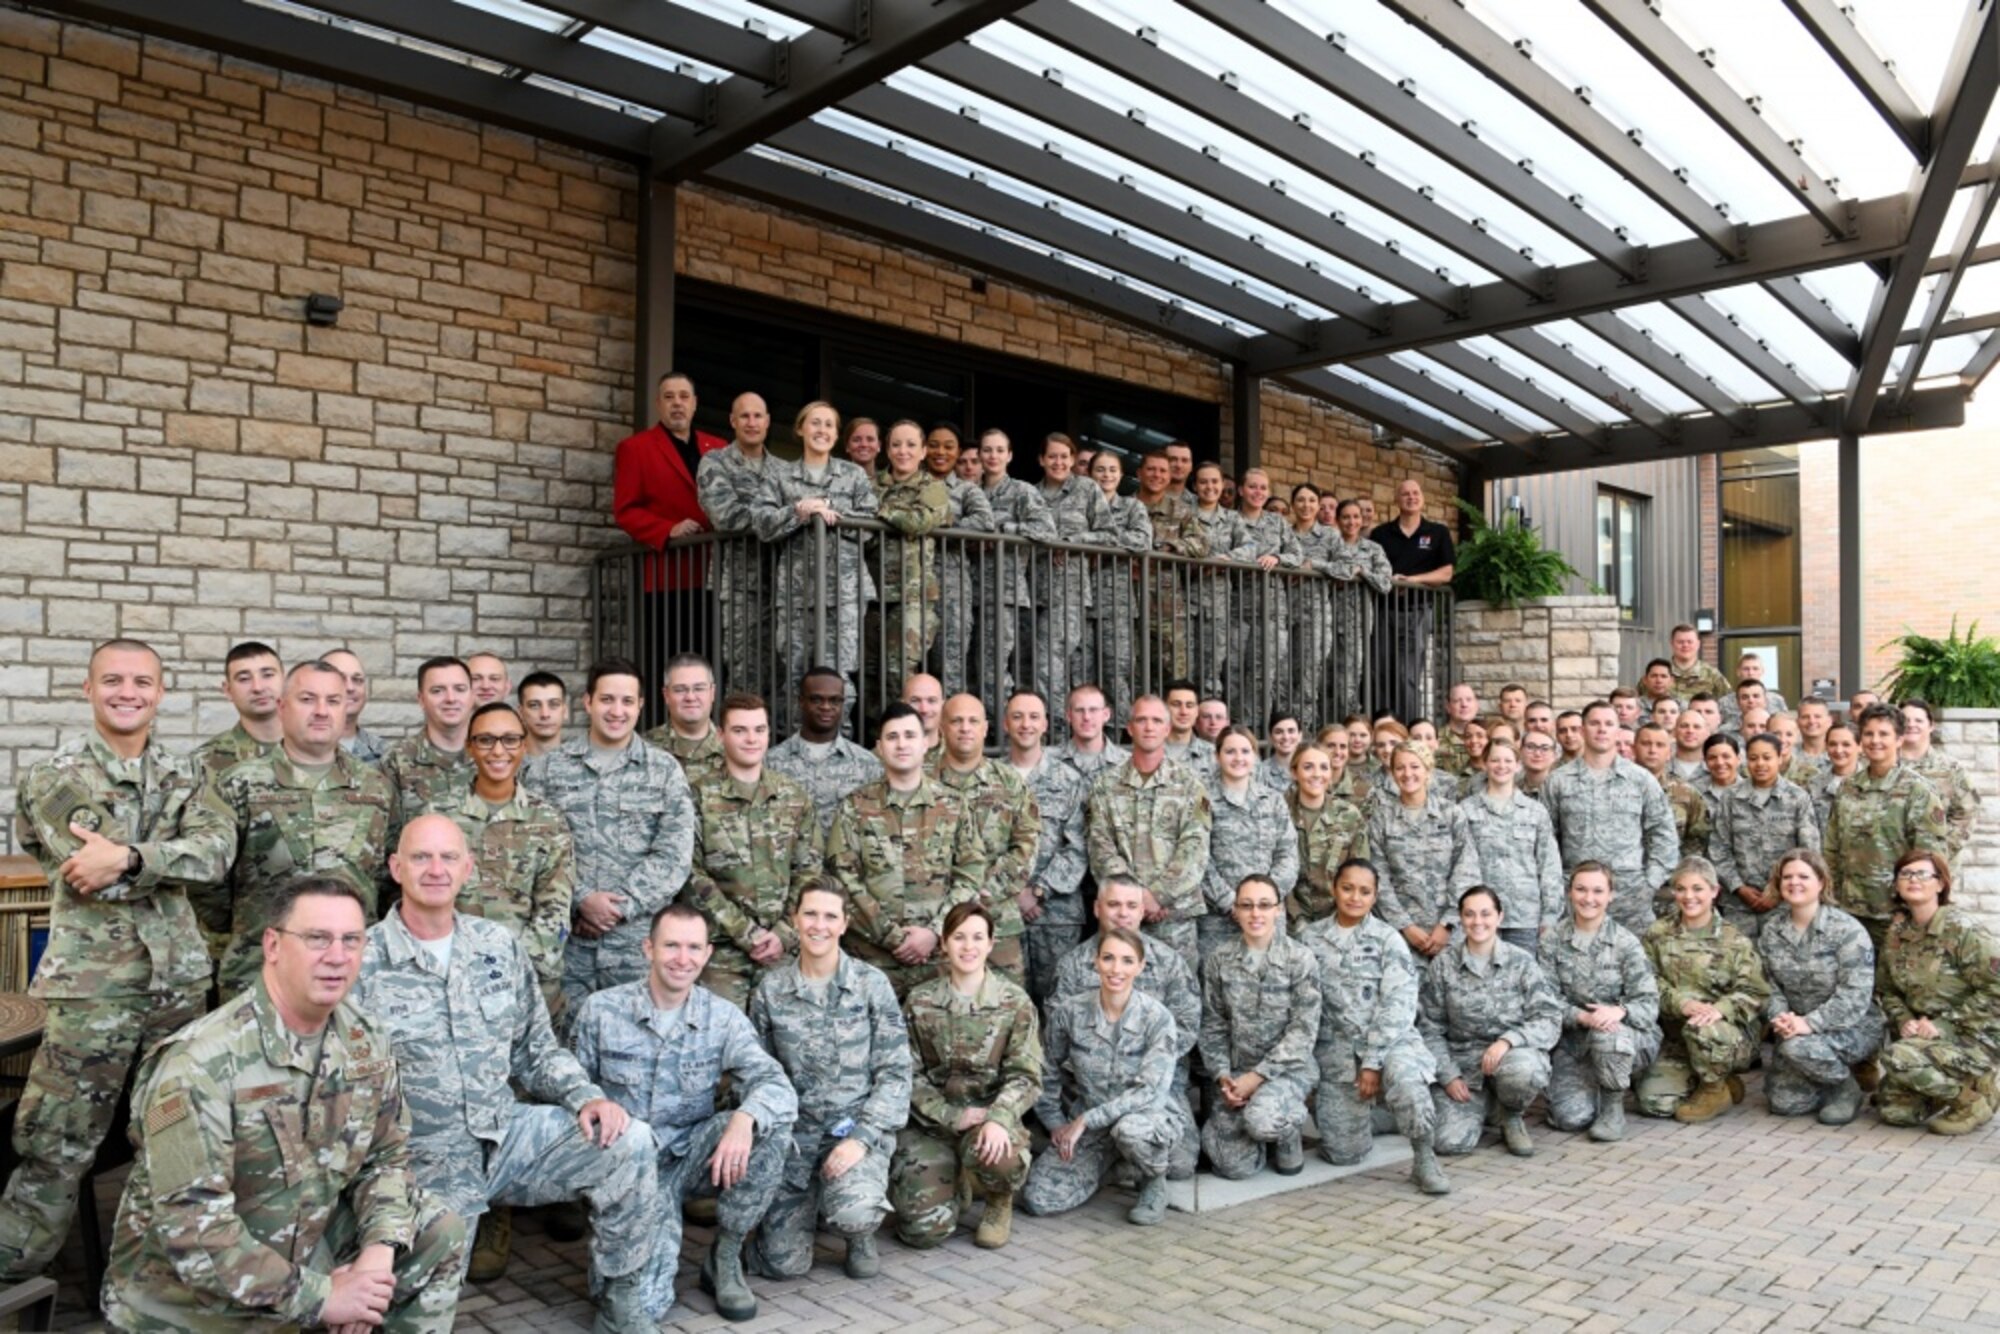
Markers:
{"x": 1518, "y": 858}
{"x": 698, "y": 759}
{"x": 1061, "y": 858}
{"x": 1700, "y": 678}
{"x": 1128, "y": 528}
{"x": 1153, "y": 829}
{"x": 1452, "y": 756}
{"x": 1248, "y": 835}
{"x": 1260, "y": 1015}
{"x": 982, "y": 1050}
{"x": 523, "y": 876}
{"x": 1326, "y": 837}
{"x": 911, "y": 509}
{"x": 226, "y": 748}
{"x": 905, "y": 859}
{"x": 1089, "y": 765}
{"x": 1004, "y": 602}
{"x": 1176, "y": 532}
{"x": 729, "y": 483}
{"x": 1716, "y": 965}
{"x": 421, "y": 778}
{"x": 1757, "y": 826}
{"x": 1117, "y": 1076}
{"x": 1464, "y": 1006}
{"x": 1954, "y": 788}
{"x": 1619, "y": 817}
{"x": 1426, "y": 858}
{"x": 1361, "y": 574}
{"x": 263, "y": 1160}
{"x": 280, "y": 824}
{"x": 1008, "y": 825}
{"x": 1824, "y": 974}
{"x": 1367, "y": 1021}
{"x": 1690, "y": 814}
{"x": 1210, "y": 626}
{"x": 846, "y": 1050}
{"x": 1949, "y": 973}
{"x": 666, "y": 1068}
{"x": 123, "y": 968}
{"x": 1273, "y": 773}
{"x": 756, "y": 848}
{"x": 970, "y": 513}
{"x": 1804, "y": 768}
{"x": 466, "y": 1035}
{"x": 632, "y": 818}
{"x": 1312, "y": 628}
{"x": 1196, "y": 753}
{"x": 1261, "y": 674}
{"x": 1080, "y": 517}
{"x": 850, "y": 586}
{"x": 1873, "y": 822}
{"x": 1608, "y": 967}
{"x": 365, "y": 746}
{"x": 828, "y": 771}
{"x": 1824, "y": 787}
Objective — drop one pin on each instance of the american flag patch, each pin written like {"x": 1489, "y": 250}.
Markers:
{"x": 167, "y": 1112}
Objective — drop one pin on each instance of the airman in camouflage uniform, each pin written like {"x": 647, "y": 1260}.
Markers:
{"x": 1056, "y": 878}
{"x": 1117, "y": 1077}
{"x": 253, "y": 681}
{"x": 1757, "y": 826}
{"x": 1326, "y": 837}
{"x": 1312, "y": 628}
{"x": 266, "y": 1157}
{"x": 1618, "y": 816}
{"x": 1954, "y": 789}
{"x": 1004, "y": 601}
{"x": 1210, "y": 626}
{"x": 1875, "y": 820}
{"x": 1518, "y": 861}
{"x": 829, "y": 771}
{"x": 1154, "y": 828}
{"x": 912, "y": 507}
{"x": 1251, "y": 834}
{"x": 970, "y": 513}
{"x": 977, "y": 1051}
{"x": 421, "y": 778}
{"x": 1718, "y": 966}
{"x": 1698, "y": 678}
{"x": 1464, "y": 1005}
{"x": 700, "y": 757}
{"x": 1263, "y": 615}
{"x": 632, "y": 818}
{"x": 1590, "y": 1069}
{"x": 1259, "y": 1016}
{"x": 1368, "y": 1022}
{"x": 1824, "y": 974}
{"x": 843, "y": 1044}
{"x": 729, "y": 482}
{"x": 125, "y": 964}
{"x": 1176, "y": 532}
{"x": 1425, "y": 857}
{"x": 524, "y": 876}
{"x": 756, "y": 846}
{"x": 1003, "y": 817}
{"x": 224, "y": 749}
{"x": 1080, "y": 516}
{"x": 1128, "y": 528}
{"x": 850, "y": 494}
{"x": 1946, "y": 971}
{"x": 467, "y": 1034}
{"x": 1360, "y": 570}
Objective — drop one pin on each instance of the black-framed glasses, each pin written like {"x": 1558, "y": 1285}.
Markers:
{"x": 504, "y": 740}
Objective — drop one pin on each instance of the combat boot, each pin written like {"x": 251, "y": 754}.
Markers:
{"x": 1842, "y": 1105}
{"x": 1707, "y": 1102}
{"x": 863, "y": 1260}
{"x": 1514, "y": 1131}
{"x": 1868, "y": 1074}
{"x": 701, "y": 1210}
{"x": 997, "y": 1223}
{"x": 722, "y": 1278}
{"x": 1288, "y": 1155}
{"x": 1735, "y": 1086}
{"x": 1152, "y": 1205}
{"x": 566, "y": 1221}
{"x": 621, "y": 1307}
{"x": 496, "y": 1242}
{"x": 1609, "y": 1127}
{"x": 1972, "y": 1109}
{"x": 1899, "y": 1107}
{"x": 1424, "y": 1169}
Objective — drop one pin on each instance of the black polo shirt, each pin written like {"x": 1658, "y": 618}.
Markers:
{"x": 1427, "y": 549}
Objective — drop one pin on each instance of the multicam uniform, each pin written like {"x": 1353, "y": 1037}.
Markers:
{"x": 982, "y": 1050}
{"x": 1367, "y": 1021}
{"x": 523, "y": 876}
{"x": 1061, "y": 858}
{"x": 1002, "y": 814}
{"x": 912, "y": 509}
{"x": 906, "y": 859}
{"x": 226, "y": 748}
{"x": 1466, "y": 1004}
{"x": 1606, "y": 967}
{"x": 1250, "y": 834}
{"x": 1873, "y": 822}
{"x": 123, "y": 968}
{"x": 264, "y": 1158}
{"x": 699, "y": 757}
{"x": 1946, "y": 971}
{"x": 756, "y": 847}
{"x": 1954, "y": 788}
{"x": 1260, "y": 1015}
{"x": 1154, "y": 829}
{"x": 1698, "y": 678}
{"x": 421, "y": 778}
{"x": 844, "y": 1046}
{"x": 1716, "y": 965}
{"x": 1326, "y": 837}
{"x": 1825, "y": 974}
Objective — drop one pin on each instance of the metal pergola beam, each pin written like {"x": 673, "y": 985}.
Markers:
{"x": 1969, "y": 324}
{"x": 1266, "y": 29}
{"x": 325, "y": 51}
{"x": 1971, "y": 77}
{"x": 982, "y": 252}
{"x": 1642, "y": 27}
{"x": 1832, "y": 26}
{"x": 1751, "y": 351}
{"x": 1937, "y": 308}
{"x": 1814, "y": 311}
{"x": 899, "y": 113}
{"x": 1392, "y": 413}
{"x": 1045, "y": 99}
{"x": 1664, "y": 362}
{"x": 1425, "y": 388}
{"x": 1980, "y": 364}
{"x": 1098, "y": 40}
{"x": 1780, "y": 424}
{"x": 823, "y": 68}
{"x": 1771, "y": 250}
{"x": 1567, "y": 362}
{"x": 843, "y": 18}
{"x": 905, "y": 174}
{"x": 1524, "y": 393}
{"x": 680, "y": 31}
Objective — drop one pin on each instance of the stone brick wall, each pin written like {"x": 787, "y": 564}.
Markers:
{"x": 1563, "y": 650}
{"x": 1972, "y": 737}
{"x": 1309, "y": 440}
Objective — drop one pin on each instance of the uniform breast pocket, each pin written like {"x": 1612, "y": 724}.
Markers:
{"x": 638, "y": 816}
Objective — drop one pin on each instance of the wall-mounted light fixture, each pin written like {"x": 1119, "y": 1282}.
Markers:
{"x": 323, "y": 310}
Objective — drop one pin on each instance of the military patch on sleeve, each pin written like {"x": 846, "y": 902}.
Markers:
{"x": 172, "y": 1145}
{"x": 167, "y": 1111}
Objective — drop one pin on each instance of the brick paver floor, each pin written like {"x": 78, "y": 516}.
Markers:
{"x": 1748, "y": 1223}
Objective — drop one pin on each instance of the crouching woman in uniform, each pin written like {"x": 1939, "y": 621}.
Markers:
{"x": 1611, "y": 1009}
{"x": 1939, "y": 983}
{"x": 1712, "y": 993}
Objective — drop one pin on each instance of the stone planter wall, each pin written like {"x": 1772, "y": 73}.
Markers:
{"x": 1972, "y": 737}
{"x": 1564, "y": 650}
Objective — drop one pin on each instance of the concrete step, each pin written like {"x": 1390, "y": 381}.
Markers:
{"x": 1205, "y": 1193}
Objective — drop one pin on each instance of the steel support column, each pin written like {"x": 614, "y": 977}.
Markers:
{"x": 1850, "y": 562}
{"x": 1246, "y": 418}
{"x": 658, "y": 215}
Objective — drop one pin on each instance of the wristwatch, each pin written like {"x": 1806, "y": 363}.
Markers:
{"x": 133, "y": 861}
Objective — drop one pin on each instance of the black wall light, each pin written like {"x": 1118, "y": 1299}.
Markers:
{"x": 323, "y": 310}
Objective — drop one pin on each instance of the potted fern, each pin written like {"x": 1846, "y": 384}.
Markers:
{"x": 1955, "y": 672}
{"x": 1506, "y": 564}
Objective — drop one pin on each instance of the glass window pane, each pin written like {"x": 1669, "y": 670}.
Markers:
{"x": 1760, "y": 551}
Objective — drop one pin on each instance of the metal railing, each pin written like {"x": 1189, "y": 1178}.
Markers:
{"x": 992, "y": 613}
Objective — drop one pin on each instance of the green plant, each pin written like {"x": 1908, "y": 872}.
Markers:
{"x": 1948, "y": 673}
{"x": 1506, "y": 564}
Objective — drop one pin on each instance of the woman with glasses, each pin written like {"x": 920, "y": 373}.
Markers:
{"x": 1250, "y": 834}
{"x": 1821, "y": 967}
{"x": 1938, "y": 981}
{"x": 520, "y": 844}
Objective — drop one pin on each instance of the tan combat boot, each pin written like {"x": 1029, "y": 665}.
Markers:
{"x": 1706, "y": 1103}
{"x": 496, "y": 1242}
{"x": 997, "y": 1223}
{"x": 1972, "y": 1109}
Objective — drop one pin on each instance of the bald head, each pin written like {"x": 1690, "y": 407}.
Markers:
{"x": 431, "y": 863}
{"x": 964, "y": 730}
{"x": 925, "y": 693}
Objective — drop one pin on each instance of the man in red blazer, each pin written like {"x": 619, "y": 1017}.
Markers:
{"x": 653, "y": 498}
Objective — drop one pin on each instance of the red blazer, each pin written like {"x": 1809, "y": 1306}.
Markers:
{"x": 651, "y": 491}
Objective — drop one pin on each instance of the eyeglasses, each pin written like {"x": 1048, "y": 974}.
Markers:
{"x": 504, "y": 740}
{"x": 685, "y": 691}
{"x": 319, "y": 942}
{"x": 1916, "y": 874}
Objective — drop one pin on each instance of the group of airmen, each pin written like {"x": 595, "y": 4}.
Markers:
{"x": 807, "y": 987}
